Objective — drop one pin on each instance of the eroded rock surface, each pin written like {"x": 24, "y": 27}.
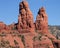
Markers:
{"x": 25, "y": 19}
{"x": 27, "y": 33}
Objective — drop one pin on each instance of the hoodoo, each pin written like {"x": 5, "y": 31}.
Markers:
{"x": 41, "y": 23}
{"x": 25, "y": 19}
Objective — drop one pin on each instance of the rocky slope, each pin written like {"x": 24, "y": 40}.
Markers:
{"x": 55, "y": 30}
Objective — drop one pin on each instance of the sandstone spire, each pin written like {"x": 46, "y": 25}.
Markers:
{"x": 41, "y": 20}
{"x": 25, "y": 19}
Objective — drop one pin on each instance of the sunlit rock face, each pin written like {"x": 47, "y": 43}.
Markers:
{"x": 3, "y": 26}
{"x": 41, "y": 26}
{"x": 25, "y": 18}
{"x": 41, "y": 20}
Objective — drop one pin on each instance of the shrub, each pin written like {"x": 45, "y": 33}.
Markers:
{"x": 15, "y": 42}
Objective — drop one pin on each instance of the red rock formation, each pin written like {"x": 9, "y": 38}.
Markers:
{"x": 42, "y": 21}
{"x": 28, "y": 41}
{"x": 41, "y": 39}
{"x": 43, "y": 42}
{"x": 41, "y": 25}
{"x": 2, "y": 26}
{"x": 25, "y": 19}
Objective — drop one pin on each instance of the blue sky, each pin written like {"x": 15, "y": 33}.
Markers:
{"x": 9, "y": 10}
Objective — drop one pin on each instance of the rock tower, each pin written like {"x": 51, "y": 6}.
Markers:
{"x": 41, "y": 23}
{"x": 25, "y": 18}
